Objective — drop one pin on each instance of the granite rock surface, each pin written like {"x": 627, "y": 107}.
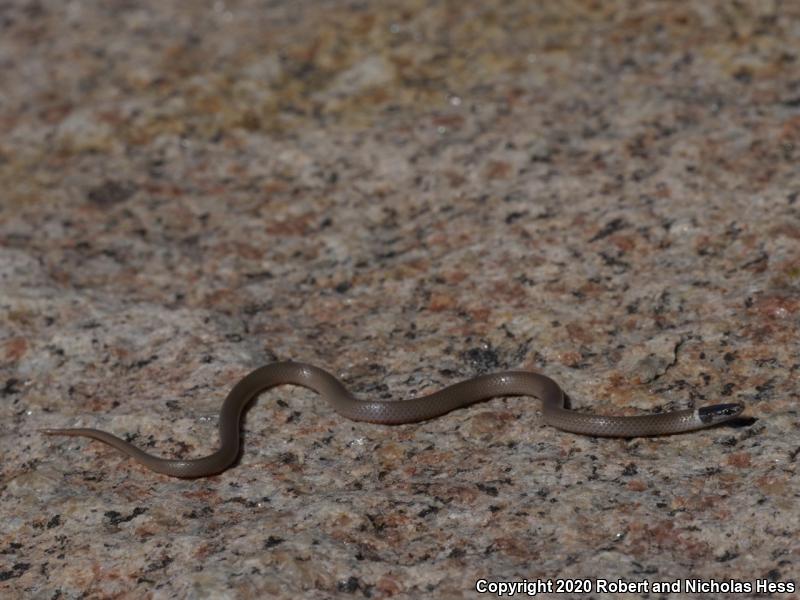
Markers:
{"x": 408, "y": 194}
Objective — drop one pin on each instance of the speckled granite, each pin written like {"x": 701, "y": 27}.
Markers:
{"x": 405, "y": 193}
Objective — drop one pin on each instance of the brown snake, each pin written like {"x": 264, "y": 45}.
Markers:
{"x": 483, "y": 387}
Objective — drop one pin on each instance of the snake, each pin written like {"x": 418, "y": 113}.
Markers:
{"x": 395, "y": 412}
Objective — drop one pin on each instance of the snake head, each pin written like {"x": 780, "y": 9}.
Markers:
{"x": 719, "y": 413}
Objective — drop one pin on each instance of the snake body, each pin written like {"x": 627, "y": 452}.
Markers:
{"x": 483, "y": 387}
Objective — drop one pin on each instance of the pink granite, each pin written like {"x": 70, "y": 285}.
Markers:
{"x": 407, "y": 194}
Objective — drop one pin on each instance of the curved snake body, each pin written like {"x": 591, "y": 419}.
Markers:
{"x": 483, "y": 387}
